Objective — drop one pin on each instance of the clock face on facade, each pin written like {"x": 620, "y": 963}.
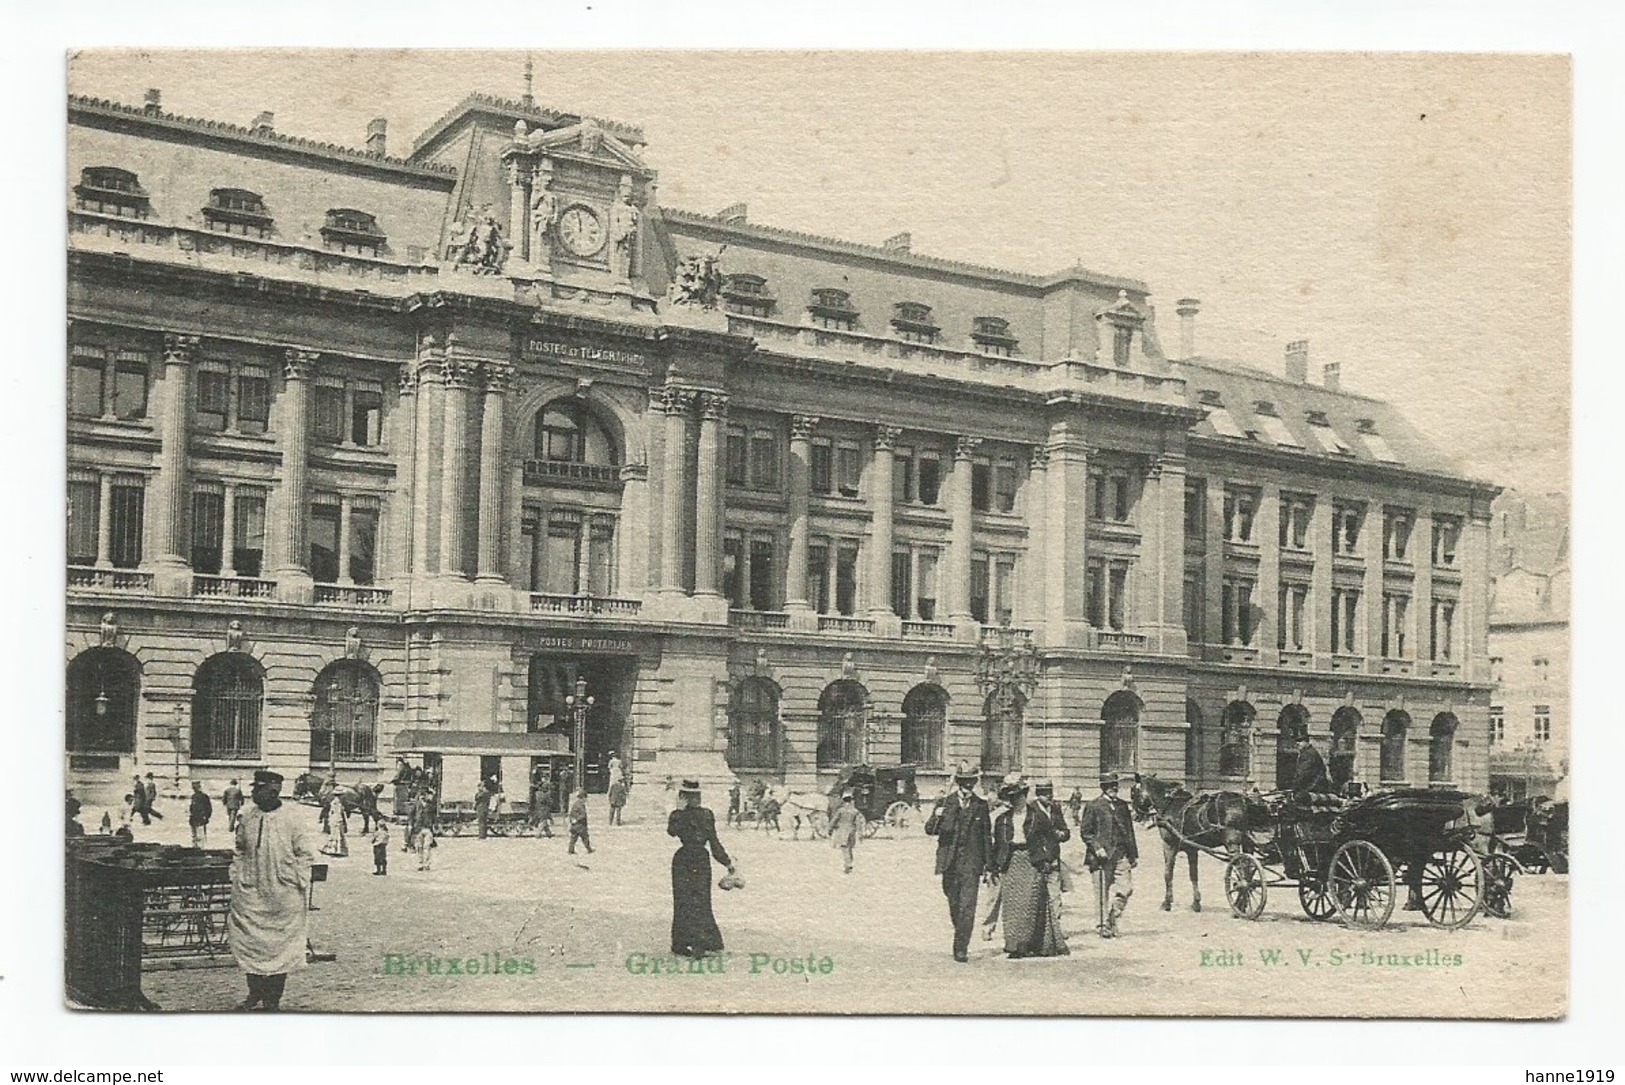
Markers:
{"x": 581, "y": 230}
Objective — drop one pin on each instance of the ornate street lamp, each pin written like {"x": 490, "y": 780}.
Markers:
{"x": 175, "y": 730}
{"x": 1007, "y": 670}
{"x": 579, "y": 703}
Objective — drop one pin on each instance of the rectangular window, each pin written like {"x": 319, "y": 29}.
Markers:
{"x": 1289, "y": 617}
{"x": 1195, "y": 608}
{"x": 902, "y": 591}
{"x": 561, "y": 561}
{"x": 1120, "y": 494}
{"x": 530, "y": 529}
{"x": 734, "y": 458}
{"x": 1004, "y": 590}
{"x": 1442, "y": 634}
{"x": 1446, "y": 533}
{"x": 1195, "y": 510}
{"x": 1097, "y": 496}
{"x": 848, "y": 469}
{"x": 981, "y": 486}
{"x": 732, "y": 566}
{"x": 930, "y": 479}
{"x": 1239, "y": 620}
{"x": 903, "y": 487}
{"x": 208, "y": 530}
{"x": 324, "y": 544}
{"x": 1397, "y": 536}
{"x": 366, "y": 416}
{"x": 1345, "y": 621}
{"x": 84, "y": 509}
{"x": 253, "y": 401}
{"x": 764, "y": 461}
{"x": 978, "y": 587}
{"x": 213, "y": 399}
{"x": 1240, "y": 511}
{"x": 86, "y": 377}
{"x": 248, "y": 540}
{"x": 846, "y": 578}
{"x": 1005, "y": 481}
{"x": 1095, "y": 594}
{"x": 926, "y": 592}
{"x": 129, "y": 501}
{"x": 363, "y": 545}
{"x": 818, "y": 577}
{"x": 1498, "y": 725}
{"x": 130, "y": 386}
{"x": 1346, "y": 522}
{"x": 763, "y": 576}
{"x": 822, "y": 468}
{"x": 1395, "y": 619}
{"x": 601, "y": 557}
{"x": 1117, "y": 586}
{"x": 1294, "y": 524}
{"x": 327, "y": 410}
{"x": 1543, "y": 723}
{"x": 1122, "y": 345}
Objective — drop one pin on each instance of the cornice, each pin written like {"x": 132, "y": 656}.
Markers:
{"x": 1201, "y": 447}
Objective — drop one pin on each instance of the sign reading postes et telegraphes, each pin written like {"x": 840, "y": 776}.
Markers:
{"x": 583, "y": 644}
{"x": 548, "y": 348}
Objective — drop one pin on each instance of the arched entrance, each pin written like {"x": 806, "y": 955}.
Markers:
{"x": 228, "y": 695}
{"x": 1396, "y": 728}
{"x": 551, "y": 679}
{"x": 1345, "y": 742}
{"x": 753, "y": 726}
{"x": 925, "y": 720}
{"x": 1004, "y": 721}
{"x": 1290, "y": 726}
{"x": 104, "y": 690}
{"x": 1236, "y": 740}
{"x": 1441, "y": 748}
{"x": 344, "y": 725}
{"x": 843, "y": 710}
{"x": 1120, "y": 732}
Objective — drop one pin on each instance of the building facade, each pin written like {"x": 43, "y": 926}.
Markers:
{"x": 374, "y": 454}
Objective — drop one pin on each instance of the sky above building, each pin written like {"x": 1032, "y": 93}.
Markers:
{"x": 1408, "y": 214}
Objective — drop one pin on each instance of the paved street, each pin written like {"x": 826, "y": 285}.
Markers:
{"x": 579, "y": 920}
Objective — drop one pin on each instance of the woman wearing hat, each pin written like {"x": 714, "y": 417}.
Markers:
{"x": 1023, "y": 847}
{"x": 694, "y": 930}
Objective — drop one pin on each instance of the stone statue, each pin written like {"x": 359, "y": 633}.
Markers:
{"x": 623, "y": 230}
{"x": 544, "y": 211}
{"x": 477, "y": 244}
{"x": 698, "y": 282}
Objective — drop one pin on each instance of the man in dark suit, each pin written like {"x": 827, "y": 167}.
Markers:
{"x": 964, "y": 828}
{"x": 1309, "y": 778}
{"x": 1107, "y": 828}
{"x": 1046, "y": 833}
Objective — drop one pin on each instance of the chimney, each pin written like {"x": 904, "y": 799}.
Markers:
{"x": 1330, "y": 376}
{"x": 1297, "y": 361}
{"x": 155, "y": 98}
{"x": 376, "y": 129}
{"x": 733, "y": 214}
{"x": 1187, "y": 308}
{"x": 898, "y": 242}
{"x": 262, "y": 123}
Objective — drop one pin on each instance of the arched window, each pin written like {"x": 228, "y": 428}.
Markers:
{"x": 104, "y": 687}
{"x": 925, "y": 718}
{"x": 1345, "y": 738}
{"x": 227, "y": 694}
{"x": 345, "y": 726}
{"x": 1120, "y": 732}
{"x": 1235, "y": 739}
{"x": 1193, "y": 743}
{"x": 1003, "y": 725}
{"x": 842, "y": 718}
{"x": 1395, "y": 729}
{"x": 1441, "y": 744}
{"x": 568, "y": 432}
{"x": 1290, "y": 726}
{"x": 753, "y": 725}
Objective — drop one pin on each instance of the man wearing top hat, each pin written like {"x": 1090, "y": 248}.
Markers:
{"x": 270, "y": 883}
{"x": 1107, "y": 829}
{"x": 961, "y": 822}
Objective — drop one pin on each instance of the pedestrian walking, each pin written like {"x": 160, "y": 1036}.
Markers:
{"x": 198, "y": 815}
{"x": 694, "y": 931}
{"x": 380, "y": 847}
{"x": 367, "y": 803}
{"x": 734, "y": 817}
{"x": 425, "y": 844}
{"x": 617, "y": 800}
{"x": 1025, "y": 848}
{"x": 578, "y": 822}
{"x": 324, "y": 799}
{"x": 232, "y": 800}
{"x": 846, "y": 829}
{"x": 960, "y": 822}
{"x": 483, "y": 798}
{"x": 617, "y": 771}
{"x": 1107, "y": 828}
{"x": 1057, "y": 876}
{"x": 137, "y": 798}
{"x": 267, "y": 922}
{"x": 149, "y": 790}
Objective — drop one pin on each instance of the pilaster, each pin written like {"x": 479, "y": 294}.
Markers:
{"x": 1268, "y": 596}
{"x": 799, "y": 469}
{"x": 493, "y": 425}
{"x": 291, "y": 566}
{"x": 457, "y": 373}
{"x": 708, "y": 511}
{"x": 171, "y": 567}
{"x": 882, "y": 532}
{"x": 677, "y": 403}
{"x": 1035, "y": 510}
{"x": 1066, "y": 490}
{"x": 961, "y": 533}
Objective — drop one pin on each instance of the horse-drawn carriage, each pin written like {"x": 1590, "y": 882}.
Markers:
{"x": 1343, "y": 859}
{"x": 886, "y": 796}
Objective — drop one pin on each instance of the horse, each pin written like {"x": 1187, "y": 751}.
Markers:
{"x": 1189, "y": 822}
{"x": 805, "y": 807}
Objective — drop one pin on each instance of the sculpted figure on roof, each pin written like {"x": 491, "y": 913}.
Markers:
{"x": 698, "y": 281}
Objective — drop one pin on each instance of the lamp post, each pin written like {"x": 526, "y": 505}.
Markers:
{"x": 176, "y": 729}
{"x": 1007, "y": 670}
{"x": 579, "y": 703}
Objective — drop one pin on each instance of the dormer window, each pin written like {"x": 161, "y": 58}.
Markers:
{"x": 831, "y": 308}
{"x": 111, "y": 191}
{"x": 238, "y": 211}
{"x": 1218, "y": 415}
{"x": 1275, "y": 429}
{"x": 912, "y": 322}
{"x": 1330, "y": 442}
{"x": 348, "y": 230}
{"x": 1375, "y": 443}
{"x": 747, "y": 295}
{"x": 991, "y": 334}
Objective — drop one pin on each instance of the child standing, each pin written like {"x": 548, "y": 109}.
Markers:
{"x": 423, "y": 842}
{"x": 380, "y": 848}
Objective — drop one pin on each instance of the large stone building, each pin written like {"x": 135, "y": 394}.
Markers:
{"x": 372, "y": 454}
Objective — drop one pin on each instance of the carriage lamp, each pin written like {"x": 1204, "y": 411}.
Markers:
{"x": 579, "y": 703}
{"x": 101, "y": 703}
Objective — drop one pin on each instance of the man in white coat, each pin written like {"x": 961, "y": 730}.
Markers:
{"x": 270, "y": 883}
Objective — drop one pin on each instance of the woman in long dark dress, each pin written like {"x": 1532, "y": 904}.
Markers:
{"x": 694, "y": 930}
{"x": 1024, "y": 850}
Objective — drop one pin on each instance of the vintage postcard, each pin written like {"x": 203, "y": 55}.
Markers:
{"x": 810, "y": 533}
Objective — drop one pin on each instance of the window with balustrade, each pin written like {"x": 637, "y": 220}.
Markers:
{"x": 753, "y": 725}
{"x": 238, "y": 211}
{"x": 992, "y": 337}
{"x": 344, "y": 724}
{"x": 228, "y": 695}
{"x": 352, "y": 231}
{"x": 924, "y": 725}
{"x": 569, "y": 550}
{"x": 109, "y": 190}
{"x": 573, "y": 443}
{"x": 913, "y": 322}
{"x": 832, "y": 309}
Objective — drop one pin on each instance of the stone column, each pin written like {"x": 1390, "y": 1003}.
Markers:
{"x": 169, "y": 510}
{"x": 798, "y": 468}
{"x": 454, "y": 472}
{"x": 1066, "y": 491}
{"x": 346, "y": 507}
{"x": 708, "y": 495}
{"x": 519, "y": 208}
{"x": 104, "y": 521}
{"x": 1373, "y": 543}
{"x": 1319, "y": 603}
{"x": 488, "y": 562}
{"x": 228, "y": 531}
{"x": 1421, "y": 615}
{"x": 1035, "y": 511}
{"x": 292, "y": 560}
{"x": 961, "y": 531}
{"x": 1267, "y": 594}
{"x": 425, "y": 478}
{"x": 1166, "y": 572}
{"x": 1213, "y": 566}
{"x": 403, "y": 432}
{"x": 678, "y": 402}
{"x": 1473, "y": 609}
{"x": 882, "y": 532}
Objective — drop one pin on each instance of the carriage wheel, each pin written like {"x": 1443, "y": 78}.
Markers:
{"x": 1361, "y": 881}
{"x": 1245, "y": 886}
{"x": 1316, "y": 898}
{"x": 1452, "y": 885}
{"x": 1499, "y": 871}
{"x": 899, "y": 815}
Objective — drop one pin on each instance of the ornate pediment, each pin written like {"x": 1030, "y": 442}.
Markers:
{"x": 587, "y": 142}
